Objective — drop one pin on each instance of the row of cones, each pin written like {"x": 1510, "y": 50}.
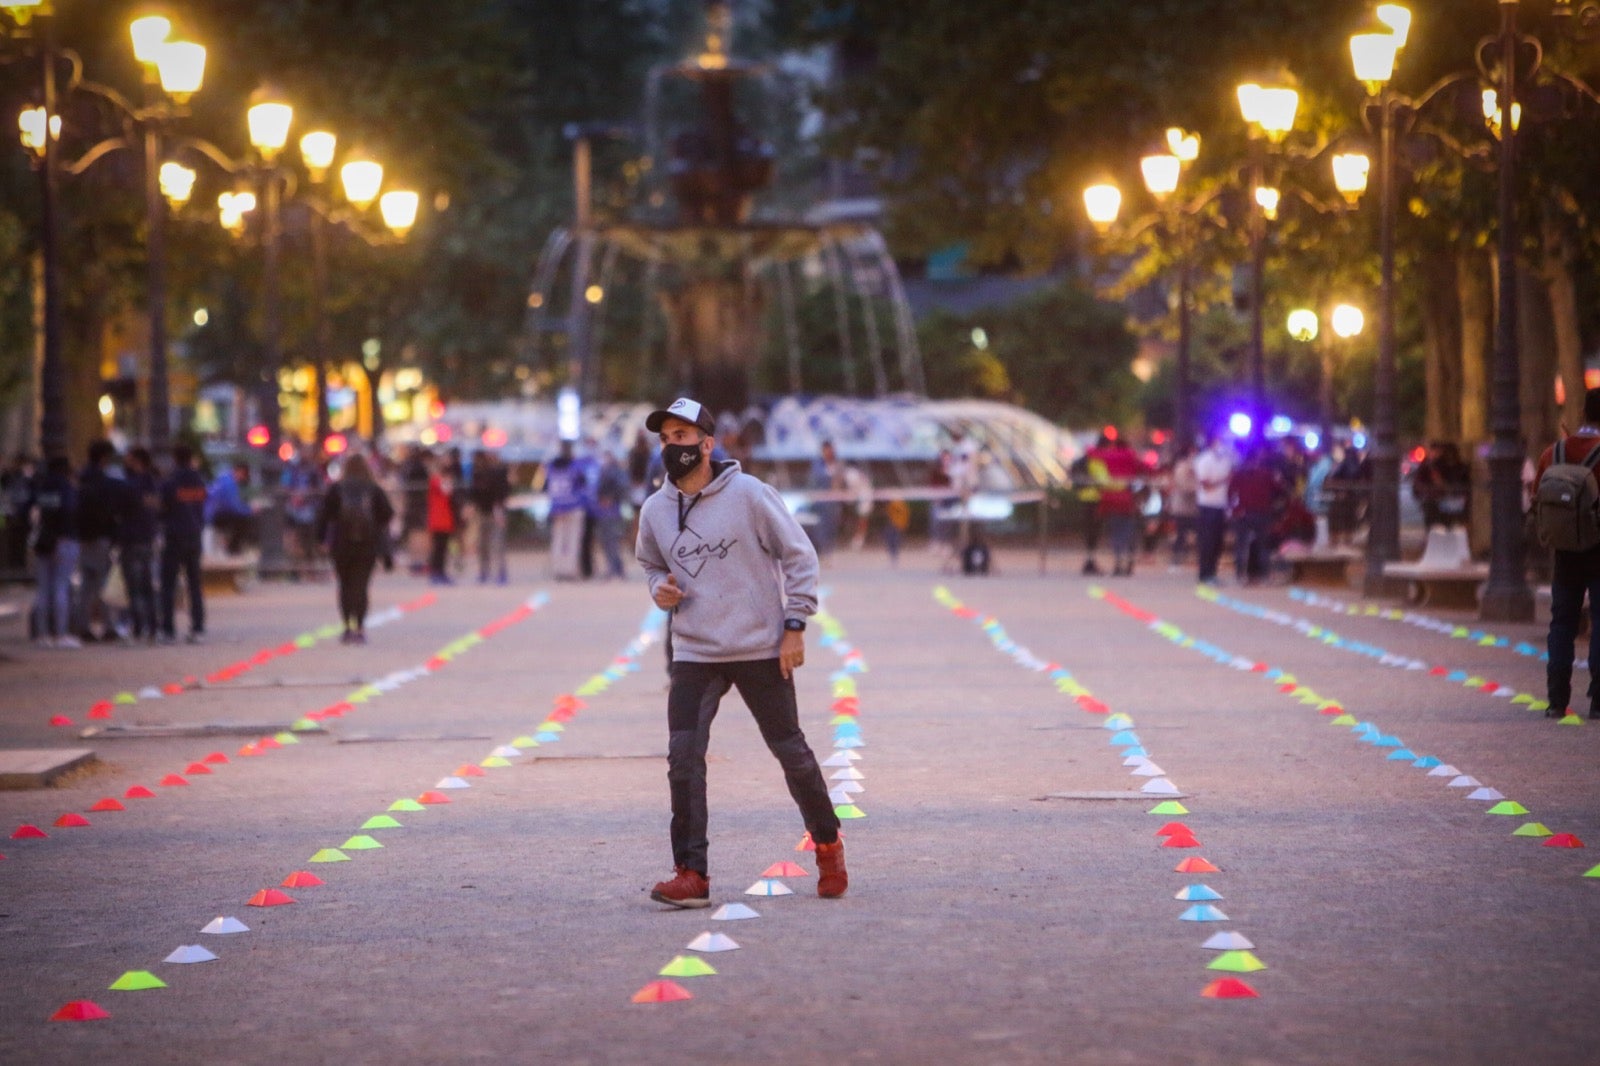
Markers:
{"x": 1236, "y": 955}
{"x": 138, "y": 980}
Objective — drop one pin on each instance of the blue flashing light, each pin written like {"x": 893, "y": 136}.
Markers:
{"x": 1239, "y": 424}
{"x": 1280, "y": 426}
{"x": 1313, "y": 439}
{"x": 1358, "y": 441}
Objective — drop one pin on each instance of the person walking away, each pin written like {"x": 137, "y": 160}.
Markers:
{"x": 1182, "y": 505}
{"x": 1442, "y": 484}
{"x": 588, "y": 461}
{"x": 739, "y": 575}
{"x": 1213, "y": 468}
{"x": 98, "y": 496}
{"x": 1253, "y": 494}
{"x": 563, "y": 483}
{"x": 1346, "y": 494}
{"x": 16, "y": 497}
{"x": 1566, "y": 517}
{"x": 1118, "y": 508}
{"x": 1088, "y": 476}
{"x": 441, "y": 525}
{"x": 611, "y": 489}
{"x": 183, "y": 520}
{"x": 55, "y": 550}
{"x": 897, "y": 519}
{"x": 354, "y": 524}
{"x": 491, "y": 488}
{"x": 827, "y": 476}
{"x": 140, "y": 519}
{"x": 302, "y": 486}
{"x": 1317, "y": 498}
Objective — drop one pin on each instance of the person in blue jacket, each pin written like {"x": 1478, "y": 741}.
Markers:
{"x": 183, "y": 518}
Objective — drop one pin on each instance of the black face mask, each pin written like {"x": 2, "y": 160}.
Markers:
{"x": 680, "y": 460}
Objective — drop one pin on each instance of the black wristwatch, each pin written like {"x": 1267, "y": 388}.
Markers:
{"x": 795, "y": 625}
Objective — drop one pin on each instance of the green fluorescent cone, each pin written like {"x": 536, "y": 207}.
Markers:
{"x": 137, "y": 981}
{"x": 380, "y": 821}
{"x": 405, "y": 805}
{"x": 1236, "y": 962}
{"x": 1168, "y": 807}
{"x": 1531, "y": 829}
{"x": 849, "y": 810}
{"x": 1507, "y": 807}
{"x": 360, "y": 843}
{"x": 687, "y": 966}
{"x": 330, "y": 855}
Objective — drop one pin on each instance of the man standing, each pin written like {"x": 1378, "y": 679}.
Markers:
{"x": 1577, "y": 567}
{"x": 183, "y": 519}
{"x": 722, "y": 553}
{"x": 563, "y": 482}
{"x": 1212, "y": 469}
{"x": 98, "y": 496}
{"x": 136, "y": 543}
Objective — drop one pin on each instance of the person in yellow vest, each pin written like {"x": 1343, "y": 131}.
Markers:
{"x": 1089, "y": 478}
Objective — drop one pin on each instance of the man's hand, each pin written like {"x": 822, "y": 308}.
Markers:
{"x": 668, "y": 594}
{"x": 791, "y": 653}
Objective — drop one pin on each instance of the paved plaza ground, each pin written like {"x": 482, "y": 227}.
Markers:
{"x": 996, "y": 914}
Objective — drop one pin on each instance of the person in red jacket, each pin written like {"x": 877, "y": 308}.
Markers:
{"x": 1254, "y": 493}
{"x": 1118, "y": 508}
{"x": 441, "y": 522}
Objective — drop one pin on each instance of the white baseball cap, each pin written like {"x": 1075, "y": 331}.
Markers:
{"x": 691, "y": 411}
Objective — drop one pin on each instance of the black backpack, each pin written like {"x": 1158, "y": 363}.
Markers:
{"x": 357, "y": 525}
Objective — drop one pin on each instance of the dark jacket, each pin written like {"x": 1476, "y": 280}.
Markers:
{"x": 183, "y": 508}
{"x": 338, "y": 535}
{"x": 491, "y": 487}
{"x": 99, "y": 495}
{"x": 56, "y": 498}
{"x": 139, "y": 510}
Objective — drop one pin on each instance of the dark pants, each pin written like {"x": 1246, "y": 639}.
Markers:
{"x": 1211, "y": 524}
{"x": 1576, "y": 574}
{"x": 1250, "y": 552}
{"x": 138, "y": 574}
{"x": 353, "y": 571}
{"x": 184, "y": 557}
{"x": 1122, "y": 531}
{"x": 697, "y": 691}
{"x": 439, "y": 549}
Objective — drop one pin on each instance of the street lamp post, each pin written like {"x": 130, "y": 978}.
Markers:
{"x": 1269, "y": 111}
{"x": 1506, "y": 596}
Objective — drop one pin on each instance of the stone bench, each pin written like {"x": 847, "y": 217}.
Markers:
{"x": 1319, "y": 566}
{"x": 1445, "y": 575}
{"x": 224, "y": 574}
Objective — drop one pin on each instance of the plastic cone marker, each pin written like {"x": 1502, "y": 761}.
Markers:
{"x": 687, "y": 966}
{"x": 1195, "y": 865}
{"x": 189, "y": 953}
{"x": 839, "y": 796}
{"x": 1489, "y": 794}
{"x": 433, "y": 797}
{"x": 1509, "y": 807}
{"x": 661, "y": 992}
{"x": 28, "y": 832}
{"x": 768, "y": 886}
{"x": 712, "y": 942}
{"x": 302, "y": 879}
{"x": 80, "y": 1010}
{"x": 495, "y": 762}
{"x": 451, "y": 782}
{"x": 806, "y": 843}
{"x": 847, "y": 773}
{"x": 70, "y": 820}
{"x": 1202, "y": 912}
{"x": 1593, "y": 871}
{"x": 1172, "y": 827}
{"x": 1228, "y": 941}
{"x": 271, "y": 897}
{"x": 733, "y": 912}
{"x": 381, "y": 821}
{"x": 330, "y": 855}
{"x": 360, "y": 842}
{"x": 1464, "y": 781}
{"x": 1168, "y": 807}
{"x": 222, "y": 926}
{"x": 108, "y": 804}
{"x": 172, "y": 781}
{"x": 1229, "y": 988}
{"x": 1192, "y": 893}
{"x": 784, "y": 868}
{"x": 841, "y": 758}
{"x": 847, "y": 811}
{"x": 1148, "y": 769}
{"x": 1236, "y": 962}
{"x": 1443, "y": 770}
{"x": 405, "y": 805}
{"x": 1180, "y": 840}
{"x": 1563, "y": 840}
{"x": 137, "y": 981}
{"x": 1531, "y": 829}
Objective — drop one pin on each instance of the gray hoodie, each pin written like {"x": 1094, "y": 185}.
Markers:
{"x": 743, "y": 562}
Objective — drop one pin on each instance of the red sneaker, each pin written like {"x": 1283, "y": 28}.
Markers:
{"x": 690, "y": 888}
{"x": 831, "y": 877}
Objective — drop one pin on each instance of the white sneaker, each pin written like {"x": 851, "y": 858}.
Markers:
{"x": 68, "y": 641}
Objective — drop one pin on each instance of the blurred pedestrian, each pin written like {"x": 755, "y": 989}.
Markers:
{"x": 897, "y": 519}
{"x": 1183, "y": 504}
{"x": 827, "y": 476}
{"x": 489, "y": 493}
{"x": 441, "y": 523}
{"x": 16, "y": 498}
{"x": 183, "y": 520}
{"x": 136, "y": 543}
{"x": 226, "y": 509}
{"x": 1564, "y": 498}
{"x": 55, "y": 548}
{"x": 1254, "y": 493}
{"x": 354, "y": 524}
{"x": 98, "y": 497}
{"x": 611, "y": 489}
{"x": 414, "y": 474}
{"x": 1213, "y": 467}
{"x": 859, "y": 485}
{"x": 563, "y": 484}
{"x": 1118, "y": 506}
{"x": 1442, "y": 484}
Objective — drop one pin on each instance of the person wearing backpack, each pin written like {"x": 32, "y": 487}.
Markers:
{"x": 354, "y": 524}
{"x": 1566, "y": 518}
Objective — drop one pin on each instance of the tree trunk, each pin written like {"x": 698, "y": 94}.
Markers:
{"x": 1562, "y": 293}
{"x": 1441, "y": 326}
{"x": 1475, "y": 288}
